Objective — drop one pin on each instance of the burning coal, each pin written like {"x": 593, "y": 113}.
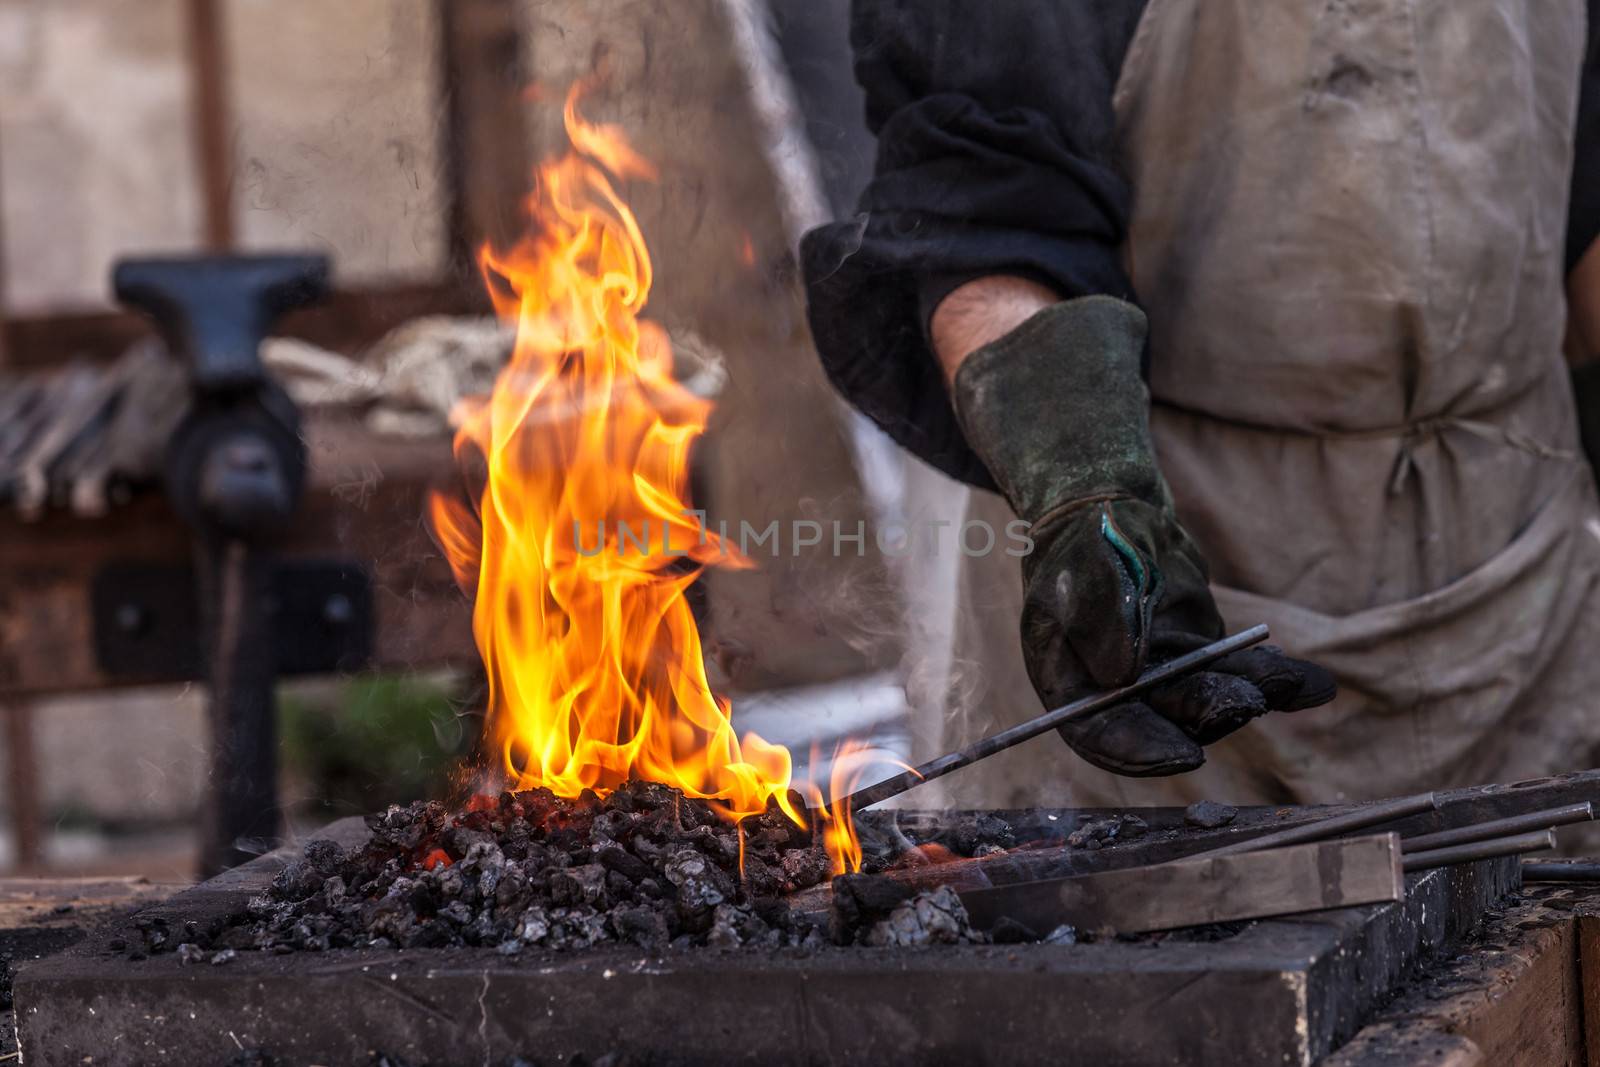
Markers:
{"x": 593, "y": 656}
{"x": 643, "y": 865}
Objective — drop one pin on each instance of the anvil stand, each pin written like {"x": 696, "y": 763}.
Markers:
{"x": 234, "y": 472}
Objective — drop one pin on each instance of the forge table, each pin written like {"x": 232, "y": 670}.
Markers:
{"x": 1466, "y": 970}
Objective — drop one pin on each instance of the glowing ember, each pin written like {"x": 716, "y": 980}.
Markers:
{"x": 581, "y": 543}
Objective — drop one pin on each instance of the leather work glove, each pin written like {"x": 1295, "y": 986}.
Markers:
{"x": 1058, "y": 412}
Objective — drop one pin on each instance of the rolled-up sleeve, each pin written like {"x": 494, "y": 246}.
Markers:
{"x": 996, "y": 154}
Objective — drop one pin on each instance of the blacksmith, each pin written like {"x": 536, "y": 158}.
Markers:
{"x": 1256, "y": 312}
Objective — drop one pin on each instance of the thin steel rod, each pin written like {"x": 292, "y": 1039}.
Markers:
{"x": 1078, "y": 709}
{"x": 1478, "y": 850}
{"x": 1515, "y": 824}
{"x": 1560, "y": 871}
{"x": 1368, "y": 815}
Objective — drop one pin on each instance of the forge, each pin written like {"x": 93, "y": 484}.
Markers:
{"x": 1286, "y": 990}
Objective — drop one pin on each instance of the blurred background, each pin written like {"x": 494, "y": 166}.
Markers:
{"x": 396, "y": 136}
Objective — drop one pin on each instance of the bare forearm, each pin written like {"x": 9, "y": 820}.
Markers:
{"x": 982, "y": 311}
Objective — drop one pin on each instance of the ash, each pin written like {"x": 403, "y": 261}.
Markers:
{"x": 645, "y": 865}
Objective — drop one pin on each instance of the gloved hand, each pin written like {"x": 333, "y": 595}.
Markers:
{"x": 1058, "y": 412}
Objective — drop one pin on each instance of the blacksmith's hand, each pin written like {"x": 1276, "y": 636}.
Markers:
{"x": 1058, "y": 412}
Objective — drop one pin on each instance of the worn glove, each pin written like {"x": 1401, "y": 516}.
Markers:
{"x": 1058, "y": 412}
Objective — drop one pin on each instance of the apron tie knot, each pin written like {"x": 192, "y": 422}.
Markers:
{"x": 1432, "y": 428}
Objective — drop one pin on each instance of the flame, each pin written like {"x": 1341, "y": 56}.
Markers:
{"x": 850, "y": 759}
{"x": 581, "y": 543}
{"x": 838, "y": 827}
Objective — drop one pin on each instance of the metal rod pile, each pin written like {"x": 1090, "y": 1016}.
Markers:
{"x": 1511, "y": 836}
{"x": 1363, "y": 817}
{"x": 1548, "y": 819}
{"x": 1473, "y": 851}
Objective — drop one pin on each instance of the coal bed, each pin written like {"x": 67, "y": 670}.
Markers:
{"x": 644, "y": 865}
{"x": 290, "y": 960}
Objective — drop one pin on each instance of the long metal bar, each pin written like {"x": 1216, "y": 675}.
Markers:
{"x": 1560, "y": 871}
{"x": 1479, "y": 850}
{"x": 1516, "y": 824}
{"x": 1368, "y": 815}
{"x": 1078, "y": 709}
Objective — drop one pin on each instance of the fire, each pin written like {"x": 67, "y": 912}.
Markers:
{"x": 581, "y": 543}
{"x": 839, "y": 829}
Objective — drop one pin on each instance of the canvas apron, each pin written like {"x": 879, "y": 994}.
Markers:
{"x": 1348, "y": 235}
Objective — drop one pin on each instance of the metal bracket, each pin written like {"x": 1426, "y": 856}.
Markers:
{"x": 147, "y": 629}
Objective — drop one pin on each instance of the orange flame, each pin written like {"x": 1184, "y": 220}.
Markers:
{"x": 850, "y": 760}
{"x": 582, "y": 544}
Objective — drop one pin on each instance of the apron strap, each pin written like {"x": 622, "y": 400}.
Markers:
{"x": 1434, "y": 427}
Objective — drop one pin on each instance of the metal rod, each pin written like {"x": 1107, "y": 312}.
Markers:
{"x": 1560, "y": 871}
{"x": 1367, "y": 815}
{"x": 1515, "y": 824}
{"x": 1078, "y": 709}
{"x": 1478, "y": 850}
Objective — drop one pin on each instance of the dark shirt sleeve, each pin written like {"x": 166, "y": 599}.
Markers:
{"x": 1583, "y": 219}
{"x": 996, "y": 154}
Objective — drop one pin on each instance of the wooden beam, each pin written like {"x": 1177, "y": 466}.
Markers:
{"x": 1206, "y": 889}
{"x": 486, "y": 152}
{"x": 347, "y": 321}
{"x": 208, "y": 91}
{"x": 1588, "y": 935}
{"x": 22, "y": 782}
{"x": 1522, "y": 994}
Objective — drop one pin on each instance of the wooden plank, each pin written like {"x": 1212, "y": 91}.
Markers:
{"x": 487, "y": 155}
{"x": 1515, "y": 998}
{"x": 346, "y": 321}
{"x": 1209, "y": 889}
{"x": 1588, "y": 935}
{"x": 208, "y": 97}
{"x": 1406, "y": 1044}
{"x": 73, "y": 902}
{"x": 1531, "y": 1012}
{"x": 22, "y": 784}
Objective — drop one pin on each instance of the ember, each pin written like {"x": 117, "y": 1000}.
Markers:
{"x": 642, "y": 865}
